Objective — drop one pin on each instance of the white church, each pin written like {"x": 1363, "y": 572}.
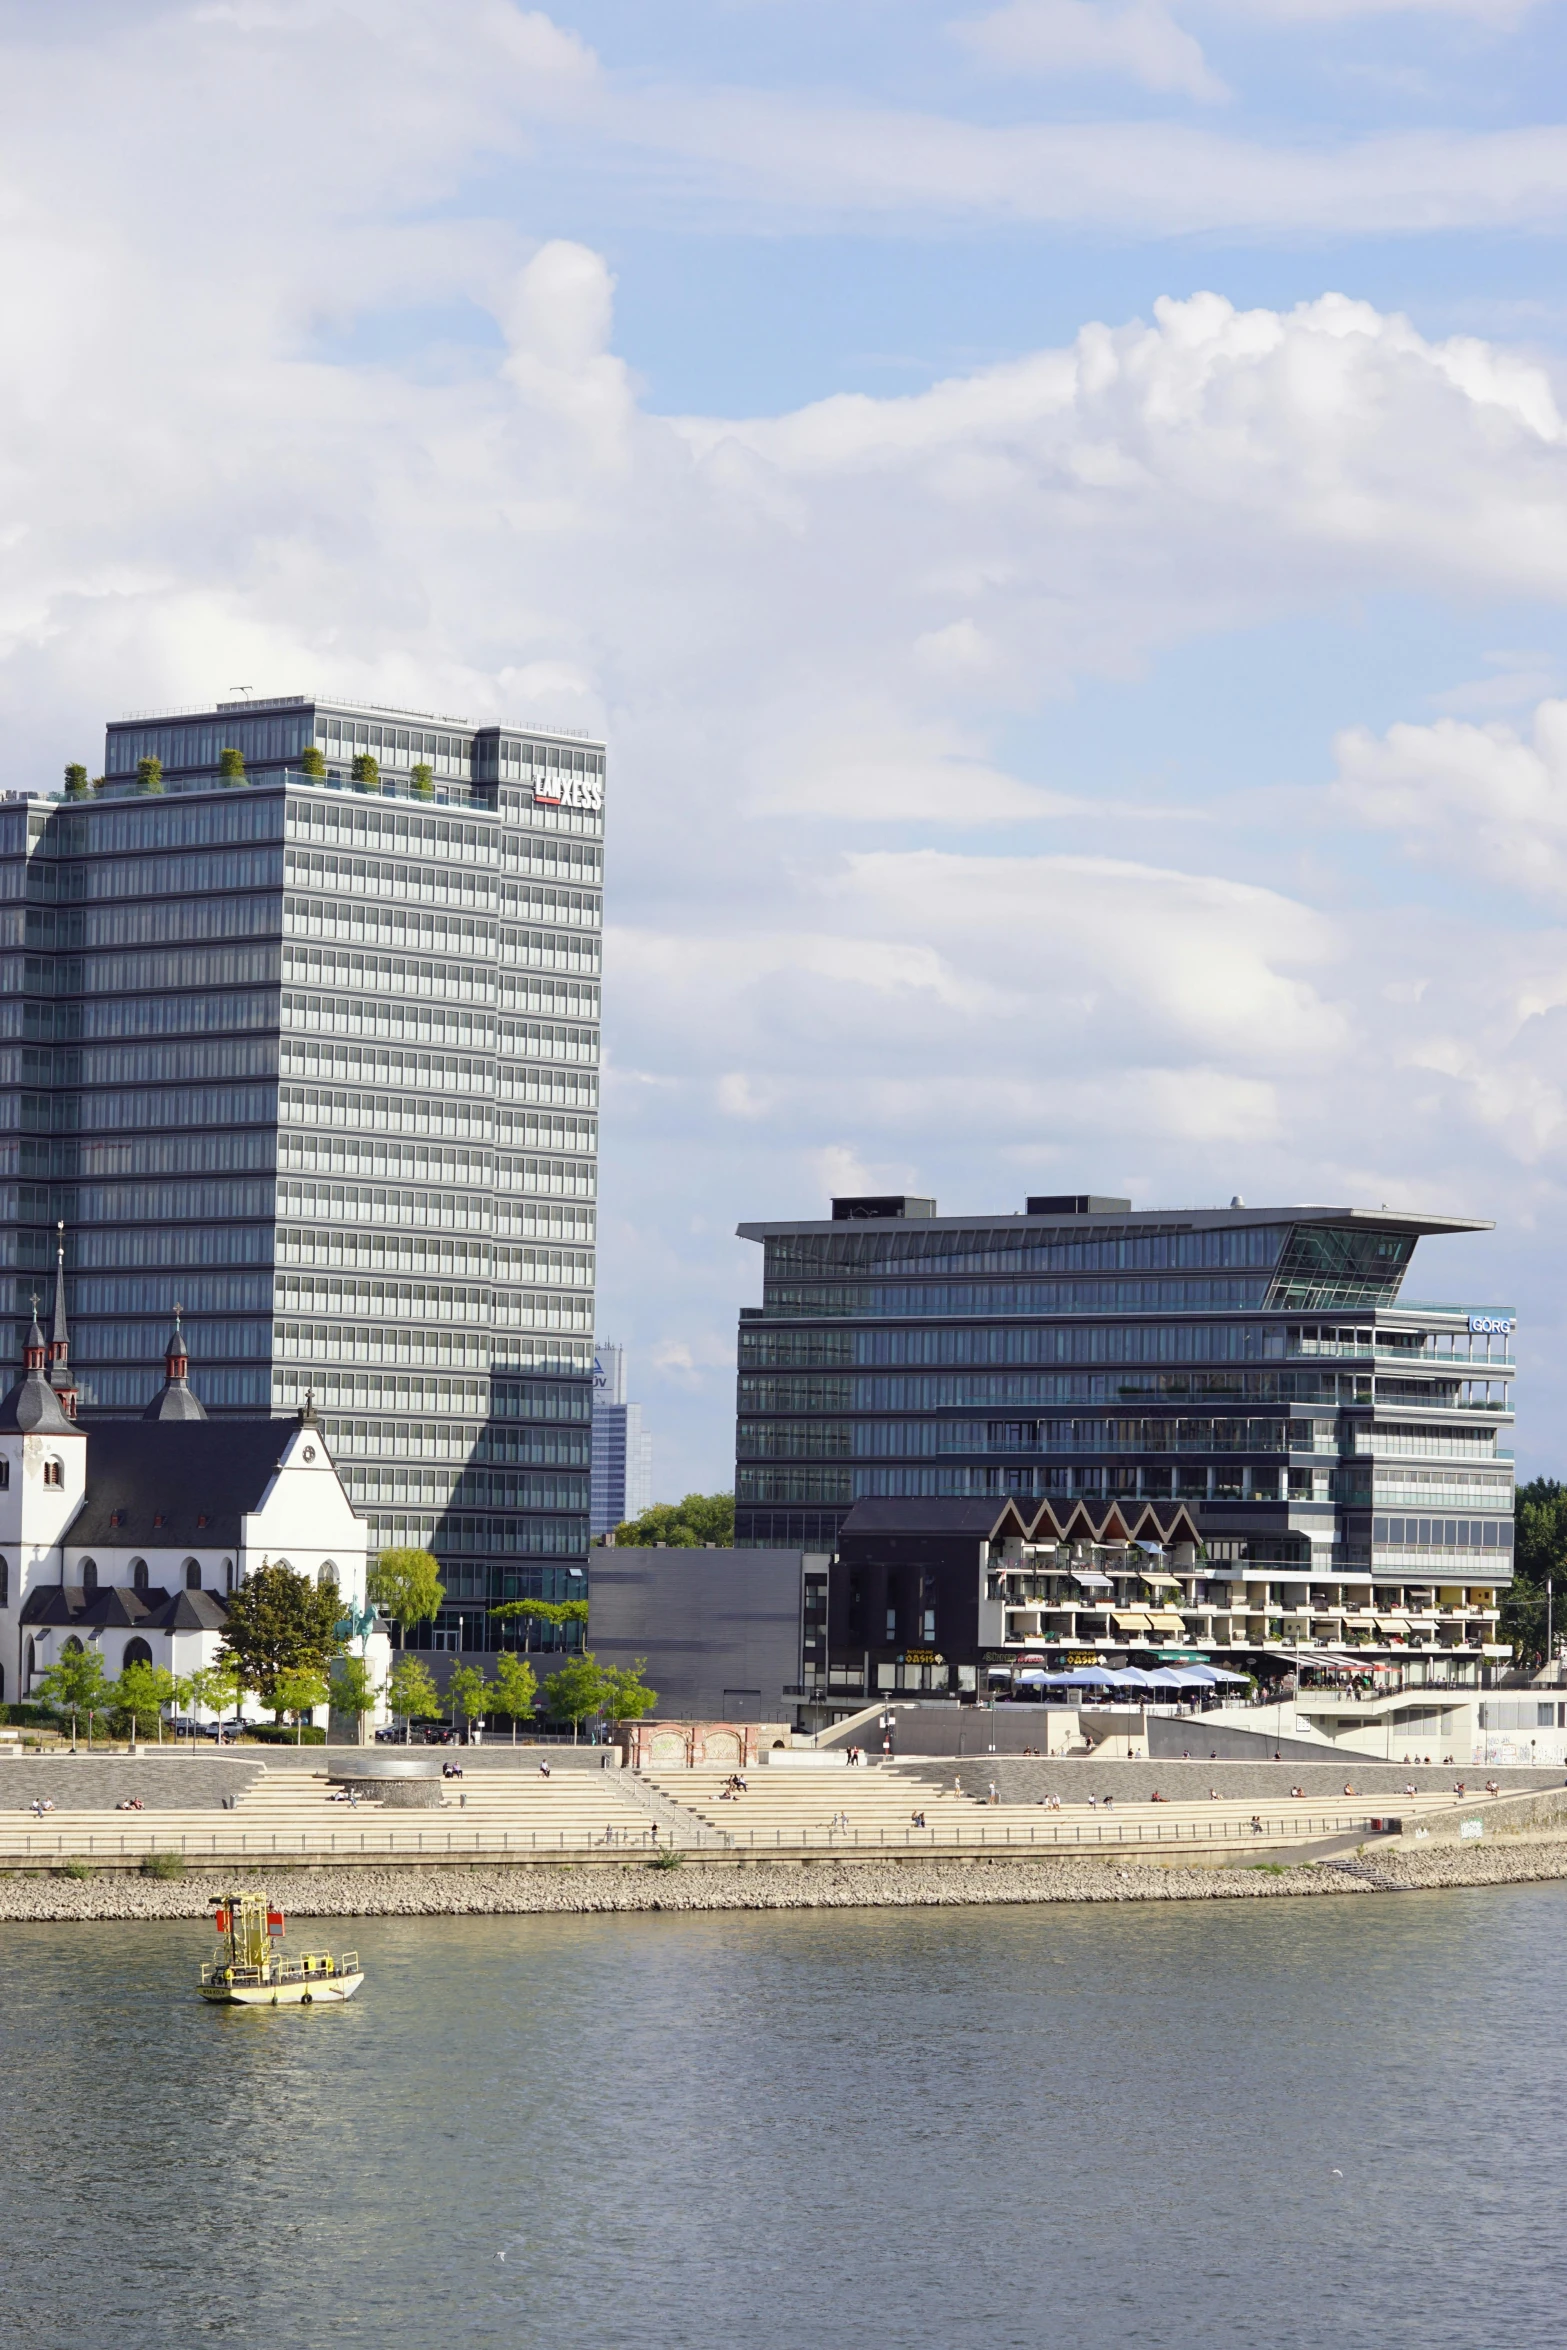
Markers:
{"x": 129, "y": 1535}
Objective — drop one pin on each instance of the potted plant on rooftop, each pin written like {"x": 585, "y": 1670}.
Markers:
{"x": 231, "y": 766}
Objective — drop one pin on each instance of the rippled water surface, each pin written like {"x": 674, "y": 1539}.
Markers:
{"x": 1285, "y": 2123}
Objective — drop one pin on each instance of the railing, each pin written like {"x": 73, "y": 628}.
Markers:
{"x": 474, "y": 1844}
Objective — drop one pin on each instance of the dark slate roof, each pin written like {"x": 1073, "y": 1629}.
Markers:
{"x": 174, "y": 1401}
{"x": 33, "y": 1406}
{"x": 116, "y": 1607}
{"x": 180, "y": 1470}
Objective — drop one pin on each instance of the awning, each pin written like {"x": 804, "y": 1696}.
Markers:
{"x": 1147, "y": 1575}
{"x": 1130, "y": 1623}
{"x": 1355, "y": 1623}
{"x": 1398, "y": 1624}
{"x": 1092, "y": 1582}
{"x": 1165, "y": 1620}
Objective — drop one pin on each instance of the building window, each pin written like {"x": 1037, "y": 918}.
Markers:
{"x": 5, "y": 1582}
{"x": 228, "y": 1574}
{"x": 89, "y": 1576}
{"x": 193, "y": 1574}
{"x": 327, "y": 1578}
{"x": 138, "y": 1573}
{"x": 137, "y": 1652}
{"x": 54, "y": 1472}
{"x": 5, "y": 1475}
{"x": 73, "y": 1646}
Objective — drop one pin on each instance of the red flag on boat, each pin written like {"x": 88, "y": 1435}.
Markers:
{"x": 220, "y": 1919}
{"x": 274, "y": 1921}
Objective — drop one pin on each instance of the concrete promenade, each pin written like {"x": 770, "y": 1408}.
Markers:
{"x": 507, "y": 1811}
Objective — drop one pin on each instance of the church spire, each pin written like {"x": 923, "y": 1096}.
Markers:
{"x": 61, "y": 1378}
{"x": 174, "y": 1400}
{"x": 32, "y": 1405}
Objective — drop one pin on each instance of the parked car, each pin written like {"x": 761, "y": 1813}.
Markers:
{"x": 394, "y": 1734}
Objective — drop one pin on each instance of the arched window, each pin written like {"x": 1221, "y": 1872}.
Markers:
{"x": 89, "y": 1576}
{"x": 5, "y": 1582}
{"x": 327, "y": 1578}
{"x": 228, "y": 1574}
{"x": 283, "y": 1563}
{"x": 193, "y": 1574}
{"x": 137, "y": 1652}
{"x": 73, "y": 1646}
{"x": 138, "y": 1574}
{"x": 54, "y": 1472}
{"x": 5, "y": 1475}
{"x": 32, "y": 1661}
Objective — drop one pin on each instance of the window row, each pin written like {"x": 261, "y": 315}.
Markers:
{"x": 118, "y": 828}
{"x": 1217, "y": 1294}
{"x": 879, "y": 1250}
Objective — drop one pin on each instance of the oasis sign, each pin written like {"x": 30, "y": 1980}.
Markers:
{"x": 569, "y": 791}
{"x": 1492, "y": 1325}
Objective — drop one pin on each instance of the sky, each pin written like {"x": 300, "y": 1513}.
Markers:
{"x": 1058, "y": 508}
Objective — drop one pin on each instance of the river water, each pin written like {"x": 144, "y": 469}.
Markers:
{"x": 1281, "y": 2123}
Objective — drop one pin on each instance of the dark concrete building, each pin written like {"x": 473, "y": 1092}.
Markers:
{"x": 724, "y": 1633}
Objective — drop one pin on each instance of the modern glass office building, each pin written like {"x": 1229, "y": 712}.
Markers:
{"x": 1343, "y": 1450}
{"x": 317, "y": 1059}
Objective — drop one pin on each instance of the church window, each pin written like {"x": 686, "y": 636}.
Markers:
{"x": 137, "y": 1652}
{"x": 54, "y": 1472}
{"x": 138, "y": 1574}
{"x": 5, "y": 1582}
{"x": 327, "y": 1578}
{"x": 89, "y": 1576}
{"x": 193, "y": 1574}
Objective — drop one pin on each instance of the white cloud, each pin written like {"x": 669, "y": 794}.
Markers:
{"x": 1480, "y": 800}
{"x": 857, "y": 611}
{"x": 1138, "y": 38}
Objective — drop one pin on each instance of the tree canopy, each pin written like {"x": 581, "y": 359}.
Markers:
{"x": 76, "y": 1683}
{"x": 141, "y": 1693}
{"x": 411, "y": 1691}
{"x": 407, "y": 1583}
{"x": 627, "y": 1696}
{"x": 576, "y": 1691}
{"x": 279, "y": 1622}
{"x": 682, "y": 1525}
{"x": 1540, "y": 1552}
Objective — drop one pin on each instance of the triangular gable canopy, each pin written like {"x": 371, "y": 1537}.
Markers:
{"x": 1010, "y": 1522}
{"x": 1046, "y": 1526}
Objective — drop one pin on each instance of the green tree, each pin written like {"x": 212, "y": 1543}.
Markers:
{"x": 149, "y": 775}
{"x": 627, "y": 1696}
{"x": 76, "y": 783}
{"x": 682, "y": 1525}
{"x": 76, "y": 1684}
{"x": 299, "y": 1693}
{"x": 1539, "y": 1555}
{"x": 353, "y": 1689}
{"x": 231, "y": 765}
{"x": 141, "y": 1693}
{"x": 280, "y": 1622}
{"x": 514, "y": 1690}
{"x": 528, "y": 1612}
{"x": 468, "y": 1690}
{"x": 312, "y": 763}
{"x": 212, "y": 1688}
{"x": 576, "y": 1691}
{"x": 407, "y": 1584}
{"x": 366, "y": 771}
{"x": 423, "y": 781}
{"x": 411, "y": 1692}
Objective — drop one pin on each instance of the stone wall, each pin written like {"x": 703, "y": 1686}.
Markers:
{"x": 1074, "y": 1780}
{"x": 83, "y": 1782}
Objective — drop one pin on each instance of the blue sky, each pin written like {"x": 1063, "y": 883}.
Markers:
{"x": 1059, "y": 508}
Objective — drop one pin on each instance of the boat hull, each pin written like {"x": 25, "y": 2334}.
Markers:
{"x": 323, "y": 1991}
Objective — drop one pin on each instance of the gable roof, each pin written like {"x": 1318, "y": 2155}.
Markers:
{"x": 179, "y": 1471}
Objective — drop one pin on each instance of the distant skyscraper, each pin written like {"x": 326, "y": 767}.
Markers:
{"x": 300, "y": 1032}
{"x": 622, "y": 1453}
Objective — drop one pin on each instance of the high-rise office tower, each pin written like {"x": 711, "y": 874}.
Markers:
{"x": 299, "y": 1020}
{"x": 622, "y": 1448}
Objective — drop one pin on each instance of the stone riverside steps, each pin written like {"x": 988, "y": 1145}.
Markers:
{"x": 792, "y": 1809}
{"x": 491, "y": 1815}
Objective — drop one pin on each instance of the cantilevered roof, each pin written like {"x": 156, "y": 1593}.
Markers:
{"x": 1412, "y": 1221}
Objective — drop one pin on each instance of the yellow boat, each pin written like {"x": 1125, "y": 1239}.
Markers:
{"x": 251, "y": 1971}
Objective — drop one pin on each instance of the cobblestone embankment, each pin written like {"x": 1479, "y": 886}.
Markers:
{"x": 501, "y": 1891}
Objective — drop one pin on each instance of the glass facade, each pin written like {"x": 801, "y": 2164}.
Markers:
{"x": 1200, "y": 1358}
{"x": 316, "y": 1055}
